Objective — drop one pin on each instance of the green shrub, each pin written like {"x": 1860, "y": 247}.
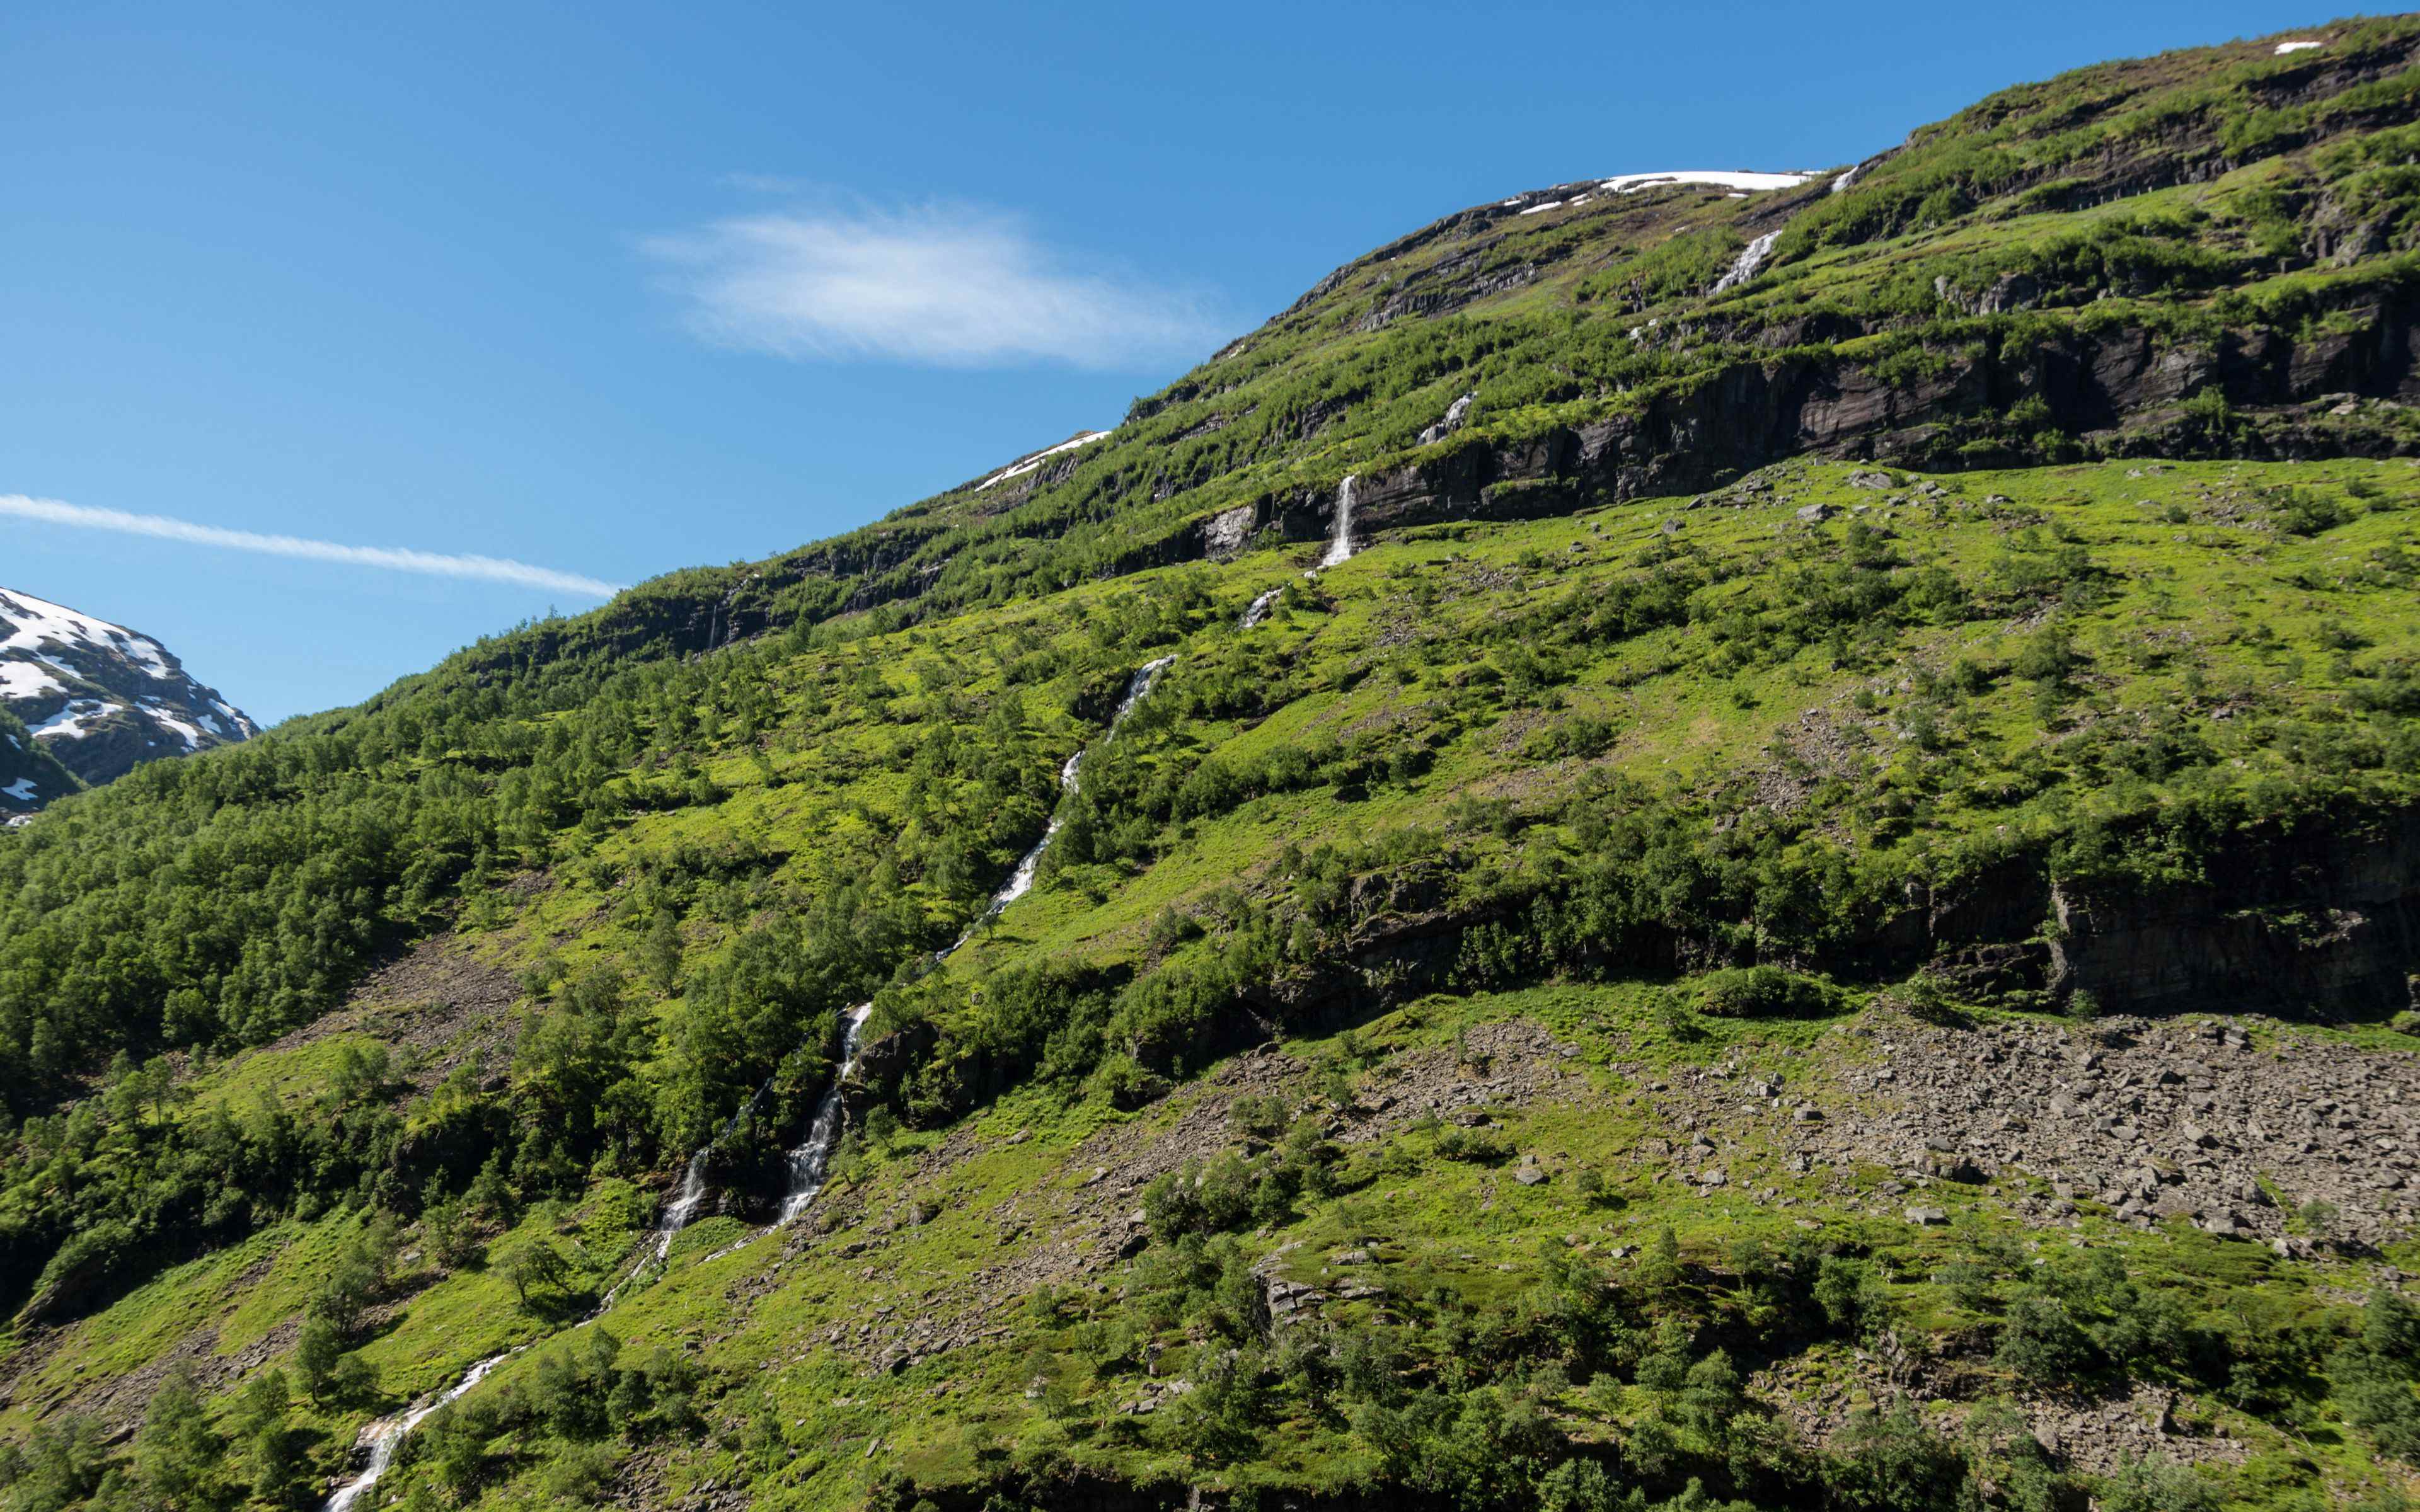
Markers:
{"x": 2041, "y": 1343}
{"x": 1764, "y": 992}
{"x": 1199, "y": 1198}
{"x": 2157, "y": 1486}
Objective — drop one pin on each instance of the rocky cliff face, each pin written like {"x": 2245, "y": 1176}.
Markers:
{"x": 98, "y": 697}
{"x": 2119, "y": 394}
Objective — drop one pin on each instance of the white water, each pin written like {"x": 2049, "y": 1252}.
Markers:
{"x": 1840, "y": 184}
{"x": 809, "y": 1163}
{"x": 1260, "y": 610}
{"x": 1136, "y": 689}
{"x": 1020, "y": 881}
{"x": 1750, "y": 259}
{"x": 389, "y": 1438}
{"x": 685, "y": 1203}
{"x": 1341, "y": 548}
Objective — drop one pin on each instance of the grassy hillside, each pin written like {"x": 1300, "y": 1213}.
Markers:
{"x": 1821, "y": 916}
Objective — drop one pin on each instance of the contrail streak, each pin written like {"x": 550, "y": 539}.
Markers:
{"x": 397, "y": 558}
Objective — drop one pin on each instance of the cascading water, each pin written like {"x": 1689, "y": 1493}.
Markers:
{"x": 387, "y": 1440}
{"x": 685, "y": 1202}
{"x": 1341, "y": 548}
{"x": 1020, "y": 881}
{"x": 1028, "y": 865}
{"x": 1260, "y": 610}
{"x": 1750, "y": 259}
{"x": 688, "y": 1198}
{"x": 809, "y": 1163}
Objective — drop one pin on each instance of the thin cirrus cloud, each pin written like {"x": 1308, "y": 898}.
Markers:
{"x": 394, "y": 558}
{"x": 944, "y": 286}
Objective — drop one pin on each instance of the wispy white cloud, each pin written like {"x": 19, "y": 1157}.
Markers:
{"x": 943, "y": 285}
{"x": 397, "y": 558}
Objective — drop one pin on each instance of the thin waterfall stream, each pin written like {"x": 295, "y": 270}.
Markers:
{"x": 1743, "y": 267}
{"x": 1340, "y": 549}
{"x": 384, "y": 1443}
{"x": 809, "y": 1164}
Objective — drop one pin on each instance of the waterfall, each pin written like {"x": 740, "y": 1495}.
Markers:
{"x": 1260, "y": 610}
{"x": 1138, "y": 687}
{"x": 809, "y": 1163}
{"x": 1750, "y": 261}
{"x": 1341, "y": 548}
{"x": 1020, "y": 881}
{"x": 1842, "y": 182}
{"x": 386, "y": 1439}
{"x": 691, "y": 1195}
{"x": 685, "y": 1203}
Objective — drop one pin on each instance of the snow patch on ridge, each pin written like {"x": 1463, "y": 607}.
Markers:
{"x": 1026, "y": 464}
{"x": 100, "y": 696}
{"x": 2284, "y": 48}
{"x": 1740, "y": 181}
{"x": 76, "y": 720}
{"x": 188, "y": 733}
{"x": 1631, "y": 183}
{"x": 24, "y": 680}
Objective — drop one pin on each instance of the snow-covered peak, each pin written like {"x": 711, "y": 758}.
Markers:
{"x": 98, "y": 697}
{"x": 34, "y": 624}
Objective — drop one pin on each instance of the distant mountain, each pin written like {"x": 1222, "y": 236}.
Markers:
{"x": 97, "y": 697}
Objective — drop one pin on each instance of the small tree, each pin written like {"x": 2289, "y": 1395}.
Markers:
{"x": 176, "y": 1452}
{"x": 537, "y": 1266}
{"x": 316, "y": 1353}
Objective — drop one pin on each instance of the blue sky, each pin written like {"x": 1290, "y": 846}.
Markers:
{"x": 608, "y": 289}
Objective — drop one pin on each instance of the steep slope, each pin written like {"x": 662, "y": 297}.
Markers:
{"x": 1341, "y": 946}
{"x": 2208, "y": 253}
{"x": 100, "y": 698}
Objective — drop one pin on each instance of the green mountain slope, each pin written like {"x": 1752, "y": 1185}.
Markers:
{"x": 1820, "y": 913}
